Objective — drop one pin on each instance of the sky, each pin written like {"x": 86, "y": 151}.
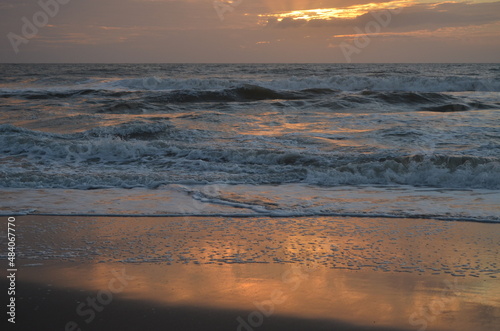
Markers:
{"x": 249, "y": 31}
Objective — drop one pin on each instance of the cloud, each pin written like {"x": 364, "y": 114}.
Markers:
{"x": 191, "y": 31}
{"x": 416, "y": 16}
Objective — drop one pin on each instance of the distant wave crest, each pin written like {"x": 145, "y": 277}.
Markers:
{"x": 340, "y": 82}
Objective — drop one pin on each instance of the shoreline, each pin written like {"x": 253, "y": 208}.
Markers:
{"x": 270, "y": 215}
{"x": 241, "y": 200}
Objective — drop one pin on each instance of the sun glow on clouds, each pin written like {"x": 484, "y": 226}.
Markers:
{"x": 444, "y": 32}
{"x": 341, "y": 13}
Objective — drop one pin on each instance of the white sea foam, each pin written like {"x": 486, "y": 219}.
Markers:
{"x": 288, "y": 200}
{"x": 149, "y": 155}
{"x": 326, "y": 126}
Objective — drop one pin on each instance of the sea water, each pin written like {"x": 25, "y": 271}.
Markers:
{"x": 393, "y": 140}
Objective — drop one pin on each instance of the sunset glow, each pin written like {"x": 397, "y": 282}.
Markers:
{"x": 341, "y": 13}
{"x": 260, "y": 31}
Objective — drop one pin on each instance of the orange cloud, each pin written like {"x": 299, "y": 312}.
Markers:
{"x": 342, "y": 12}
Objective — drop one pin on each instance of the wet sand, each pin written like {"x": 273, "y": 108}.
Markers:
{"x": 256, "y": 274}
{"x": 42, "y": 308}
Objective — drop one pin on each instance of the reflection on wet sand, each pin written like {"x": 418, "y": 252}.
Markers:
{"x": 307, "y": 274}
{"x": 357, "y": 297}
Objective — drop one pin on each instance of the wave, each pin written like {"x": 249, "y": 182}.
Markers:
{"x": 397, "y": 97}
{"x": 133, "y": 96}
{"x": 135, "y": 174}
{"x": 59, "y": 93}
{"x": 149, "y": 155}
{"x": 319, "y": 84}
{"x": 289, "y": 200}
{"x": 340, "y": 82}
{"x": 246, "y": 92}
{"x": 132, "y": 130}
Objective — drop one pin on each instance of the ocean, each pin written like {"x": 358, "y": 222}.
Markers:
{"x": 366, "y": 140}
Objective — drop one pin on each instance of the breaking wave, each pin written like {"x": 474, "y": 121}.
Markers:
{"x": 149, "y": 155}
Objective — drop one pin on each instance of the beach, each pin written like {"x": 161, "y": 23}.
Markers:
{"x": 219, "y": 273}
{"x": 250, "y": 197}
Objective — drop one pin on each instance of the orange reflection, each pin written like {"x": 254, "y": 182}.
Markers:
{"x": 191, "y": 262}
{"x": 355, "y": 297}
